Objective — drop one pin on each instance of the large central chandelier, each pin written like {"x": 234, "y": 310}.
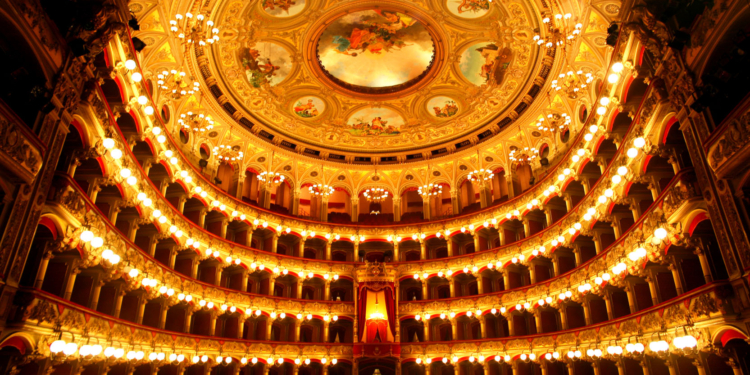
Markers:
{"x": 561, "y": 31}
{"x": 194, "y": 29}
{"x": 572, "y": 82}
{"x": 523, "y": 157}
{"x": 322, "y": 190}
{"x": 175, "y": 83}
{"x": 554, "y": 122}
{"x": 228, "y": 154}
{"x": 376, "y": 194}
{"x": 273, "y": 178}
{"x": 196, "y": 122}
{"x": 430, "y": 190}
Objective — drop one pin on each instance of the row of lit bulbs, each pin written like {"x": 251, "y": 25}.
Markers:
{"x": 70, "y": 348}
{"x": 617, "y": 67}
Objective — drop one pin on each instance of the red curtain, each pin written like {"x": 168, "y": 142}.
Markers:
{"x": 391, "y": 308}
{"x": 362, "y": 294}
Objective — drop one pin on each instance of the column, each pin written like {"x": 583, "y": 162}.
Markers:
{"x": 595, "y": 366}
{"x": 587, "y": 311}
{"x": 301, "y": 247}
{"x": 163, "y": 186}
{"x": 526, "y": 226}
{"x": 94, "y": 190}
{"x": 426, "y": 330}
{"x": 326, "y": 330}
{"x": 454, "y": 329}
{"x": 133, "y": 229}
{"x": 295, "y": 203}
{"x": 453, "y": 288}
{"x": 299, "y": 287}
{"x": 224, "y": 225}
{"x": 501, "y": 235}
{"x": 577, "y": 253}
{"x": 425, "y": 290}
{"x": 556, "y": 264}
{"x": 202, "y": 217}
{"x": 644, "y": 366}
{"x": 608, "y": 302}
{"x": 271, "y": 285}
{"x": 621, "y": 367}
{"x": 632, "y": 302}
{"x": 477, "y": 248}
{"x": 275, "y": 242}
{"x": 114, "y": 210}
{"x": 188, "y": 319}
{"x": 269, "y": 326}
{"x": 212, "y": 324}
{"x": 152, "y": 242}
{"x": 548, "y": 216}
{"x": 635, "y": 208}
{"x": 396, "y": 257}
{"x": 172, "y": 256}
{"x": 327, "y": 291}
{"x": 506, "y": 279}
{"x": 705, "y": 267}
{"x": 538, "y": 321}
{"x": 676, "y": 275}
{"x": 163, "y": 315}
{"x": 423, "y": 248}
{"x": 572, "y": 368}
{"x": 699, "y": 366}
{"x": 651, "y": 280}
{"x": 396, "y": 209}
{"x": 455, "y": 204}
{"x": 532, "y": 273}
{"x": 118, "y": 303}
{"x": 480, "y": 284}
{"x": 181, "y": 203}
{"x": 328, "y": 249}
{"x": 484, "y": 194}
{"x": 426, "y": 208}
{"x": 241, "y": 327}
{"x": 196, "y": 264}
{"x": 323, "y": 208}
{"x": 42, "y": 271}
{"x": 297, "y": 328}
{"x": 450, "y": 246}
{"x": 355, "y": 209}
{"x": 72, "y": 274}
{"x": 482, "y": 326}
{"x": 671, "y": 366}
{"x": 245, "y": 277}
{"x": 219, "y": 271}
{"x": 95, "y": 293}
{"x": 141, "y": 307}
{"x": 568, "y": 201}
{"x": 249, "y": 238}
{"x": 597, "y": 237}
{"x": 563, "y": 316}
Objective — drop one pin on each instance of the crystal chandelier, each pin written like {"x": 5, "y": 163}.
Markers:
{"x": 176, "y": 84}
{"x": 572, "y": 82}
{"x": 523, "y": 157}
{"x": 227, "y": 153}
{"x": 480, "y": 175}
{"x": 196, "y": 122}
{"x": 430, "y": 190}
{"x": 194, "y": 29}
{"x": 376, "y": 194}
{"x": 554, "y": 122}
{"x": 561, "y": 31}
{"x": 273, "y": 178}
{"x": 321, "y": 190}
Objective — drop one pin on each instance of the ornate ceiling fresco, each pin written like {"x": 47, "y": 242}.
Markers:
{"x": 374, "y": 74}
{"x": 377, "y": 77}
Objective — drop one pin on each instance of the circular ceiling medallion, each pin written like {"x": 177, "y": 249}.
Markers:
{"x": 314, "y": 173}
{"x": 375, "y": 51}
{"x": 409, "y": 177}
{"x": 463, "y": 167}
{"x": 261, "y": 159}
{"x": 489, "y": 159}
{"x": 375, "y": 178}
{"x": 436, "y": 173}
{"x": 342, "y": 177}
{"x": 288, "y": 168}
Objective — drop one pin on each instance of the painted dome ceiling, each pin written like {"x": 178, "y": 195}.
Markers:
{"x": 374, "y": 76}
{"x": 375, "y": 82}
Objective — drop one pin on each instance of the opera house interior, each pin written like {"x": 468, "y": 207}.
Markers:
{"x": 374, "y": 187}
